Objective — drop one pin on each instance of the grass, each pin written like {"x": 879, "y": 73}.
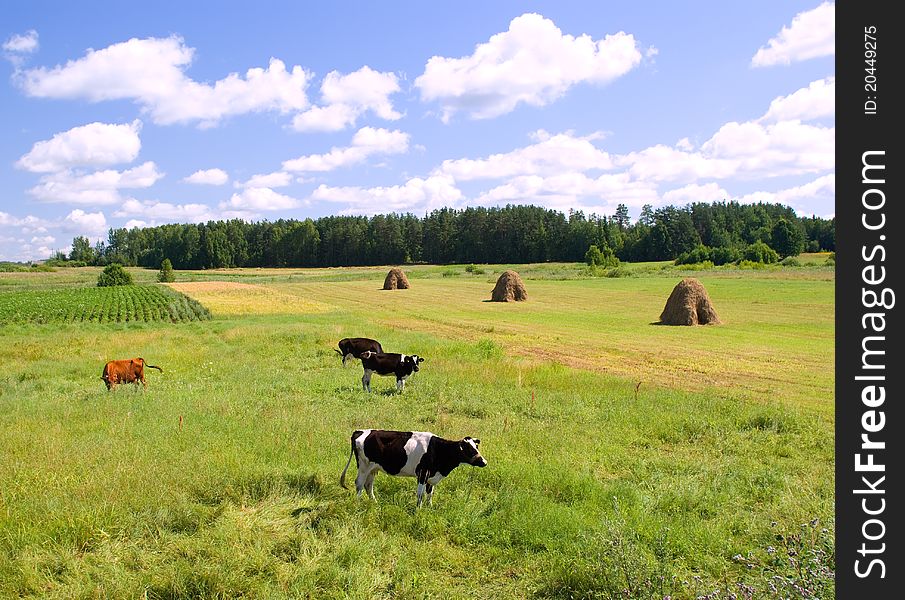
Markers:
{"x": 221, "y": 480}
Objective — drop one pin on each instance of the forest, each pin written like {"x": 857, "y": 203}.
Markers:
{"x": 510, "y": 234}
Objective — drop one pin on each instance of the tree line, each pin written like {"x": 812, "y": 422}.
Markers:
{"x": 510, "y": 234}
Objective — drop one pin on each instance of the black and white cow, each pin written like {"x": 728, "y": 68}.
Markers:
{"x": 353, "y": 347}
{"x": 390, "y": 363}
{"x": 419, "y": 454}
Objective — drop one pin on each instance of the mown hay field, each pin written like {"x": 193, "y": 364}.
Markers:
{"x": 221, "y": 479}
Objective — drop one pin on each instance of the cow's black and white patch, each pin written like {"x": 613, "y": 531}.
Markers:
{"x": 419, "y": 454}
{"x": 350, "y": 348}
{"x": 401, "y": 365}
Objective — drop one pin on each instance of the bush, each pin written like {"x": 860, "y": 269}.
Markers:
{"x": 699, "y": 254}
{"x": 166, "y": 274}
{"x": 759, "y": 252}
{"x": 114, "y": 275}
{"x": 606, "y": 258}
{"x": 790, "y": 261}
{"x": 474, "y": 270}
{"x": 724, "y": 256}
{"x": 813, "y": 246}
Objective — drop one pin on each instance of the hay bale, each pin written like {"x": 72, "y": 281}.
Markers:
{"x": 396, "y": 280}
{"x": 689, "y": 304}
{"x": 509, "y": 288}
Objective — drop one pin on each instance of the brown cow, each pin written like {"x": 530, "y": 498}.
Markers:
{"x": 126, "y": 371}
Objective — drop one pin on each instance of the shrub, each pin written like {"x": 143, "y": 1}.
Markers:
{"x": 166, "y": 274}
{"x": 606, "y": 258}
{"x": 790, "y": 261}
{"x": 759, "y": 252}
{"x": 813, "y": 246}
{"x": 474, "y": 270}
{"x": 699, "y": 254}
{"x": 724, "y": 256}
{"x": 114, "y": 274}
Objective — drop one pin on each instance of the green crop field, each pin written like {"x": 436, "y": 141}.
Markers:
{"x": 626, "y": 459}
{"x": 99, "y": 305}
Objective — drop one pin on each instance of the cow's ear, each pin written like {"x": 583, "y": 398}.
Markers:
{"x": 420, "y": 359}
{"x": 477, "y": 442}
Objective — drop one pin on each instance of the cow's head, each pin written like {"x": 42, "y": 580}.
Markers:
{"x": 413, "y": 360}
{"x": 470, "y": 453}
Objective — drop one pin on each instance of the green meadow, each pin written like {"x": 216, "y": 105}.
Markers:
{"x": 626, "y": 459}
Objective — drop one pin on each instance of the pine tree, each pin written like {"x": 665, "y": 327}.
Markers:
{"x": 166, "y": 274}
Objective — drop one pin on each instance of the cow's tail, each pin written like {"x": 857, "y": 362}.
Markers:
{"x": 338, "y": 351}
{"x": 342, "y": 478}
{"x": 154, "y": 367}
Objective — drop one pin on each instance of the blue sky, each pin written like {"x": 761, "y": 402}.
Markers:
{"x": 119, "y": 114}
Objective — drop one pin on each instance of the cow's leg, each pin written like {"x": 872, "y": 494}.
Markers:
{"x": 366, "y": 381}
{"x": 430, "y": 495}
{"x": 362, "y": 478}
{"x": 144, "y": 382}
{"x": 400, "y": 385}
{"x": 369, "y": 483}
{"x": 347, "y": 357}
{"x": 423, "y": 476}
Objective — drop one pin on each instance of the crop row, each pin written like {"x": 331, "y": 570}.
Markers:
{"x": 100, "y": 305}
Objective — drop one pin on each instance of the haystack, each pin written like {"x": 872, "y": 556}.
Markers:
{"x": 509, "y": 288}
{"x": 396, "y": 280}
{"x": 689, "y": 304}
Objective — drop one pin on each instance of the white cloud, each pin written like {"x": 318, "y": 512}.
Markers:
{"x": 267, "y": 180}
{"x": 812, "y": 34}
{"x": 573, "y": 190}
{"x": 24, "y": 43}
{"x": 813, "y": 102}
{"x": 99, "y": 187}
{"x": 747, "y": 149}
{"x": 93, "y": 225}
{"x": 822, "y": 187}
{"x": 416, "y": 194}
{"x": 552, "y": 154}
{"x": 260, "y": 199}
{"x": 708, "y": 192}
{"x": 533, "y": 62}
{"x": 92, "y": 145}
{"x": 208, "y": 177}
{"x": 346, "y": 97}
{"x": 151, "y": 73}
{"x": 366, "y": 142}
{"x": 154, "y": 210}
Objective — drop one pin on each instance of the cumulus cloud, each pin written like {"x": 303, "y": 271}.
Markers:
{"x": 552, "y": 154}
{"x": 99, "y": 187}
{"x": 822, "y": 187}
{"x": 574, "y": 190}
{"x": 813, "y": 102}
{"x": 708, "y": 192}
{"x": 92, "y": 145}
{"x": 22, "y": 43}
{"x": 208, "y": 177}
{"x": 366, "y": 142}
{"x": 812, "y": 34}
{"x": 256, "y": 198}
{"x": 746, "y": 149}
{"x": 416, "y": 194}
{"x": 165, "y": 211}
{"x": 92, "y": 225}
{"x": 532, "y": 62}
{"x": 267, "y": 180}
{"x": 346, "y": 97}
{"x": 151, "y": 73}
